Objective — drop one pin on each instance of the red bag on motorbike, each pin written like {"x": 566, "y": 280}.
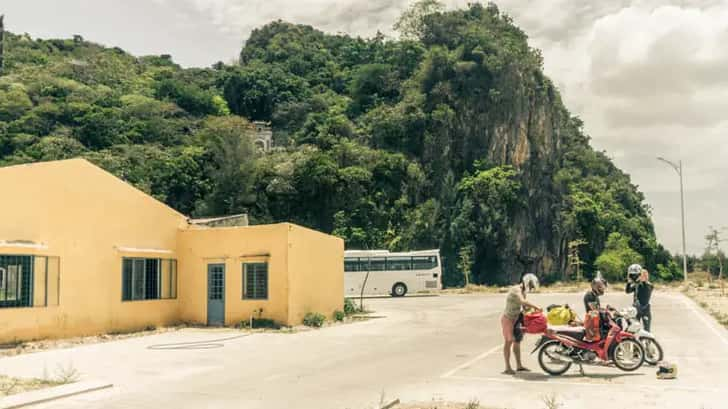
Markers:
{"x": 592, "y": 327}
{"x": 535, "y": 323}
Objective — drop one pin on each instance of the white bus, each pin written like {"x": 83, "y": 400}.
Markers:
{"x": 391, "y": 273}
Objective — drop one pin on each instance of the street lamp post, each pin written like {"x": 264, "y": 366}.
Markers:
{"x": 678, "y": 169}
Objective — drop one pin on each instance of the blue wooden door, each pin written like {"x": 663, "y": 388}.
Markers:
{"x": 216, "y": 294}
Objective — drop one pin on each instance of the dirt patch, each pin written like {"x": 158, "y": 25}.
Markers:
{"x": 18, "y": 348}
{"x": 712, "y": 298}
{"x": 11, "y": 386}
{"x": 443, "y": 405}
{"x": 42, "y": 345}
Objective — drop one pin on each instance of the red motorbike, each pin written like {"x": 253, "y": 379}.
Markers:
{"x": 558, "y": 349}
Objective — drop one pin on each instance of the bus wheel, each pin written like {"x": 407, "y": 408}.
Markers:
{"x": 399, "y": 290}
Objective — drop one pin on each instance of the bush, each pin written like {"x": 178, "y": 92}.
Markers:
{"x": 350, "y": 307}
{"x": 314, "y": 319}
{"x": 260, "y": 323}
{"x": 616, "y": 257}
{"x": 339, "y": 315}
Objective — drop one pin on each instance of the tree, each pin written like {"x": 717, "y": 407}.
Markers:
{"x": 713, "y": 245}
{"x": 191, "y": 98}
{"x": 616, "y": 257}
{"x": 14, "y": 102}
{"x": 482, "y": 220}
{"x": 2, "y": 42}
{"x": 255, "y": 90}
{"x": 574, "y": 258}
{"x": 371, "y": 85}
{"x": 231, "y": 166}
{"x": 411, "y": 23}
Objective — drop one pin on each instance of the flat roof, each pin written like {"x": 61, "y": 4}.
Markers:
{"x": 217, "y": 219}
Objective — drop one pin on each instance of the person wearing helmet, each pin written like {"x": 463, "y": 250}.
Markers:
{"x": 510, "y": 326}
{"x": 640, "y": 285}
{"x": 633, "y": 273}
{"x": 591, "y": 298}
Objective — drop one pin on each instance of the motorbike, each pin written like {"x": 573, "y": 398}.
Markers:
{"x": 627, "y": 319}
{"x": 559, "y": 349}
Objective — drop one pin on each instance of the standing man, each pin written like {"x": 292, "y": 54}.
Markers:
{"x": 512, "y": 333}
{"x": 642, "y": 289}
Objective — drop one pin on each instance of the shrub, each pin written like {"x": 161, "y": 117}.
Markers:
{"x": 339, "y": 315}
{"x": 350, "y": 307}
{"x": 616, "y": 257}
{"x": 314, "y": 319}
{"x": 260, "y": 323}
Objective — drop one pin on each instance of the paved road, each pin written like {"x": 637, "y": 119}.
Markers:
{"x": 438, "y": 348}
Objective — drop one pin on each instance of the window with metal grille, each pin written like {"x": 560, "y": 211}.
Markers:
{"x": 255, "y": 281}
{"x": 16, "y": 281}
{"x": 148, "y": 279}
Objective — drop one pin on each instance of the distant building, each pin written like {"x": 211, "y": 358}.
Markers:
{"x": 263, "y": 135}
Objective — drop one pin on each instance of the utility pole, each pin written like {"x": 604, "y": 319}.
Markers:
{"x": 714, "y": 240}
{"x": 679, "y": 170}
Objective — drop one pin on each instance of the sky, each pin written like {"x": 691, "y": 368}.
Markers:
{"x": 648, "y": 77}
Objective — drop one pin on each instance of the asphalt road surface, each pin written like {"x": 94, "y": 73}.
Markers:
{"x": 424, "y": 349}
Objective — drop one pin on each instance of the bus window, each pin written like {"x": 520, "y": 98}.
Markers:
{"x": 399, "y": 263}
{"x": 424, "y": 263}
{"x": 377, "y": 264}
{"x": 351, "y": 264}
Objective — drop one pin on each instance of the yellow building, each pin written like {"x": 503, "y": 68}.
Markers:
{"x": 82, "y": 252}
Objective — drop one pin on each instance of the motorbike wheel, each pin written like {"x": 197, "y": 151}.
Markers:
{"x": 653, "y": 350}
{"x": 628, "y": 355}
{"x": 549, "y": 359}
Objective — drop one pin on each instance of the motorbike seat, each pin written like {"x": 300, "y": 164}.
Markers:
{"x": 573, "y": 332}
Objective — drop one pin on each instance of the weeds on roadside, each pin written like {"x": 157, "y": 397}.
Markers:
{"x": 258, "y": 323}
{"x": 67, "y": 374}
{"x": 551, "y": 401}
{"x": 350, "y": 307}
{"x": 339, "y": 315}
{"x": 473, "y": 404}
{"x": 314, "y": 319}
{"x": 6, "y": 388}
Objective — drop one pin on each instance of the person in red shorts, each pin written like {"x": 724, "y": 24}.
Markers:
{"x": 512, "y": 332}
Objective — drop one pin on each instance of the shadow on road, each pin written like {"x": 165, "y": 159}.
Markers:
{"x": 535, "y": 376}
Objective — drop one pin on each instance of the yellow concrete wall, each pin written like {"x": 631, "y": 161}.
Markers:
{"x": 88, "y": 220}
{"x": 316, "y": 271}
{"x": 81, "y": 213}
{"x": 232, "y": 246}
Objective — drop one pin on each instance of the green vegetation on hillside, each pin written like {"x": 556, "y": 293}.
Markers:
{"x": 450, "y": 138}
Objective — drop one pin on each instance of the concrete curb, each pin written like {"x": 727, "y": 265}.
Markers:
{"x": 50, "y": 394}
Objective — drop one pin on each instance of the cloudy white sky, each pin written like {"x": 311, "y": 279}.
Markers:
{"x": 649, "y": 77}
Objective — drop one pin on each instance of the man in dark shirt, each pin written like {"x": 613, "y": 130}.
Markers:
{"x": 642, "y": 290}
{"x": 591, "y": 298}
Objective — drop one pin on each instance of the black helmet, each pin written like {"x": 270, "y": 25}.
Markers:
{"x": 598, "y": 286}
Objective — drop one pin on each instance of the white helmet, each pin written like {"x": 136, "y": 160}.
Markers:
{"x": 531, "y": 282}
{"x": 634, "y": 271}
